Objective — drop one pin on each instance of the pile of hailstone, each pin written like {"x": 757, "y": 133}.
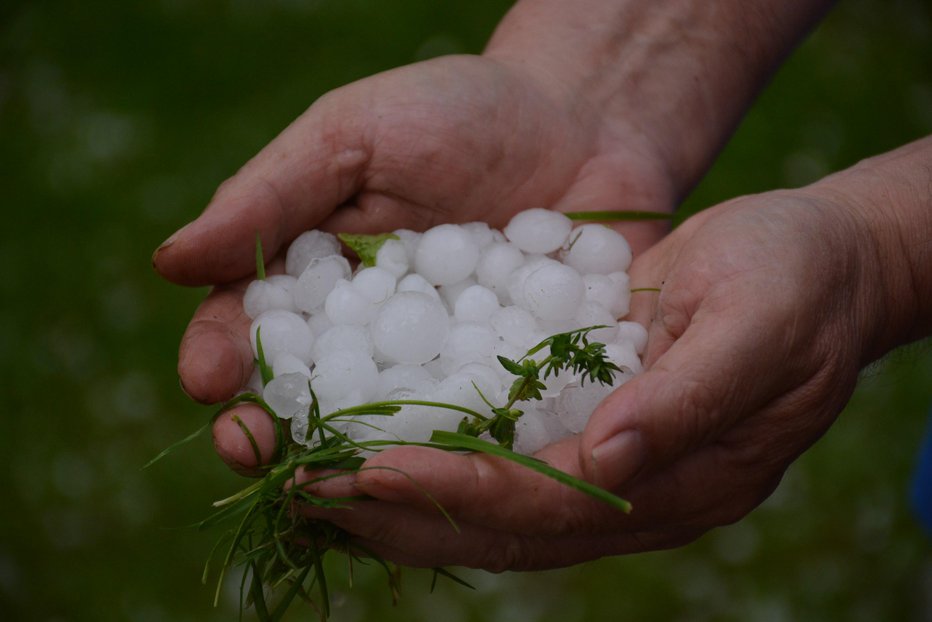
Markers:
{"x": 429, "y": 319}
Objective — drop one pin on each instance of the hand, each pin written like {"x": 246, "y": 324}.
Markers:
{"x": 766, "y": 313}
{"x": 453, "y": 139}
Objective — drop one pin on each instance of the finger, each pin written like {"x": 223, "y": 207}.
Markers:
{"x": 313, "y": 166}
{"x": 245, "y": 439}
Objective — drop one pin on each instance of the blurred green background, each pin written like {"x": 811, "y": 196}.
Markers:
{"x": 117, "y": 121}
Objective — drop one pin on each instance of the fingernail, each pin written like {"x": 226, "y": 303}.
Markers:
{"x": 171, "y": 240}
{"x": 619, "y": 458}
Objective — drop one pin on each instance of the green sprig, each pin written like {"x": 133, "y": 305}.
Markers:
{"x": 365, "y": 246}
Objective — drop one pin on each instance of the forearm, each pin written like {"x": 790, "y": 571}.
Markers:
{"x": 682, "y": 72}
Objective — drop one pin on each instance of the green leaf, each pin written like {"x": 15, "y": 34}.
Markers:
{"x": 260, "y": 259}
{"x": 365, "y": 246}
{"x": 187, "y": 439}
{"x": 618, "y": 216}
{"x": 265, "y": 370}
{"x": 452, "y": 440}
{"x": 510, "y": 366}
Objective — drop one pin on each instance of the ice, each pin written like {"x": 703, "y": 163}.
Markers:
{"x": 282, "y": 331}
{"x": 446, "y": 254}
{"x": 553, "y": 291}
{"x": 411, "y": 379}
{"x": 261, "y": 296}
{"x": 287, "y": 363}
{"x": 609, "y": 291}
{"x": 633, "y": 333}
{"x": 476, "y": 304}
{"x": 375, "y": 283}
{"x": 409, "y": 239}
{"x": 299, "y": 425}
{"x": 338, "y": 373}
{"x": 576, "y": 403}
{"x": 345, "y": 304}
{"x": 466, "y": 343}
{"x": 393, "y": 257}
{"x": 460, "y": 389}
{"x": 411, "y": 327}
{"x": 538, "y": 230}
{"x": 517, "y": 280}
{"x": 343, "y": 337}
{"x": 593, "y": 314}
{"x": 319, "y": 323}
{"x": 624, "y": 355}
{"x": 417, "y": 283}
{"x": 481, "y": 233}
{"x": 486, "y": 378}
{"x": 536, "y": 429}
{"x": 622, "y": 284}
{"x": 451, "y": 293}
{"x": 317, "y": 281}
{"x": 288, "y": 395}
{"x": 497, "y": 263}
{"x": 307, "y": 246}
{"x": 254, "y": 384}
{"x": 515, "y": 326}
{"x": 596, "y": 249}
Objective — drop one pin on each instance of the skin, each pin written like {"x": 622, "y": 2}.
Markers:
{"x": 706, "y": 433}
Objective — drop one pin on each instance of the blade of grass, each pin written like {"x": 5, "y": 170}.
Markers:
{"x": 618, "y": 216}
{"x": 187, "y": 439}
{"x": 260, "y": 259}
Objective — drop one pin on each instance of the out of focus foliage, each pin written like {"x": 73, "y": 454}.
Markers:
{"x": 117, "y": 121}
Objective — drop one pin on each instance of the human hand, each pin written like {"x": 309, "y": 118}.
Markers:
{"x": 766, "y": 313}
{"x": 453, "y": 139}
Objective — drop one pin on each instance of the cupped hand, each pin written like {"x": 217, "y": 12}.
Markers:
{"x": 765, "y": 314}
{"x": 454, "y": 139}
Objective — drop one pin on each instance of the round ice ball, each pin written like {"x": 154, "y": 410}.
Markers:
{"x": 515, "y": 326}
{"x": 497, "y": 263}
{"x": 466, "y": 343}
{"x": 375, "y": 283}
{"x": 409, "y": 378}
{"x": 553, "y": 291}
{"x": 593, "y": 314}
{"x": 598, "y": 249}
{"x": 265, "y": 295}
{"x": 393, "y": 256}
{"x": 634, "y": 333}
{"x": 624, "y": 355}
{"x": 410, "y": 327}
{"x": 307, "y": 246}
{"x": 611, "y": 291}
{"x": 345, "y": 304}
{"x": 409, "y": 239}
{"x": 282, "y": 331}
{"x": 338, "y": 373}
{"x": 288, "y": 363}
{"x": 288, "y": 394}
{"x": 480, "y": 232}
{"x": 317, "y": 281}
{"x": 319, "y": 323}
{"x": 451, "y": 293}
{"x": 446, "y": 254}
{"x": 343, "y": 337}
{"x": 538, "y": 230}
{"x": 417, "y": 283}
{"x": 475, "y": 304}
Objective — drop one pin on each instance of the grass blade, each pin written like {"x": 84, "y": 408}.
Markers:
{"x": 618, "y": 216}
{"x": 187, "y": 439}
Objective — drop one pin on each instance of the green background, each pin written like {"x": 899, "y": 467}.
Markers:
{"x": 117, "y": 121}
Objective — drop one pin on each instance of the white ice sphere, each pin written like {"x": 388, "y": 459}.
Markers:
{"x": 345, "y": 304}
{"x": 467, "y": 342}
{"x": 299, "y": 426}
{"x": 475, "y": 304}
{"x": 307, "y": 246}
{"x": 343, "y": 337}
{"x": 319, "y": 323}
{"x": 393, "y": 256}
{"x": 486, "y": 378}
{"x": 480, "y": 232}
{"x": 518, "y": 278}
{"x": 288, "y": 394}
{"x": 446, "y": 254}
{"x": 553, "y": 291}
{"x": 317, "y": 281}
{"x": 598, "y": 249}
{"x": 282, "y": 331}
{"x": 263, "y": 295}
{"x": 338, "y": 373}
{"x": 287, "y": 363}
{"x": 285, "y": 281}
{"x": 497, "y": 263}
{"x": 460, "y": 389}
{"x": 634, "y": 333}
{"x": 409, "y": 378}
{"x": 538, "y": 230}
{"x": 536, "y": 429}
{"x": 593, "y": 314}
{"x": 609, "y": 291}
{"x": 409, "y": 239}
{"x": 622, "y": 284}
{"x": 375, "y": 283}
{"x": 417, "y": 283}
{"x": 624, "y": 355}
{"x": 576, "y": 403}
{"x": 515, "y": 326}
{"x": 451, "y": 293}
{"x": 410, "y": 327}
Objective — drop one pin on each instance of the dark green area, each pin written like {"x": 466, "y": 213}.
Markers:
{"x": 118, "y": 120}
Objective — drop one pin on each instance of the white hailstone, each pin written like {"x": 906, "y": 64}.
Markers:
{"x": 480, "y": 232}
{"x": 553, "y": 291}
{"x": 451, "y": 293}
{"x": 622, "y": 284}
{"x": 287, "y": 363}
{"x": 343, "y": 337}
{"x": 416, "y": 283}
{"x": 597, "y": 249}
{"x": 307, "y": 246}
{"x": 330, "y": 405}
{"x": 518, "y": 278}
{"x": 475, "y": 304}
{"x": 264, "y": 295}
{"x": 536, "y": 429}
{"x": 411, "y": 423}
{"x": 486, "y": 378}
{"x": 460, "y": 389}
{"x": 282, "y": 331}
{"x": 538, "y": 230}
{"x": 319, "y": 323}
{"x": 515, "y": 326}
{"x": 446, "y": 254}
{"x": 338, "y": 373}
{"x": 624, "y": 355}
{"x": 407, "y": 379}
{"x": 317, "y": 281}
{"x": 393, "y": 256}
{"x": 299, "y": 426}
{"x": 377, "y": 284}
{"x": 435, "y": 369}
{"x": 593, "y": 314}
{"x": 576, "y": 403}
{"x": 345, "y": 304}
{"x": 409, "y": 239}
{"x": 497, "y": 263}
{"x": 467, "y": 342}
{"x": 410, "y": 327}
{"x": 556, "y": 383}
{"x": 288, "y": 395}
{"x": 634, "y": 333}
{"x": 285, "y": 281}
{"x": 254, "y": 384}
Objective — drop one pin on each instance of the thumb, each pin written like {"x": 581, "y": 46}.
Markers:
{"x": 313, "y": 166}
